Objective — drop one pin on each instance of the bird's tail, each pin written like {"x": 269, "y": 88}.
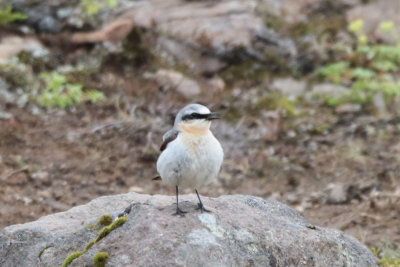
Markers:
{"x": 158, "y": 177}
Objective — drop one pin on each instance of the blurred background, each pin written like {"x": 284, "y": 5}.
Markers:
{"x": 309, "y": 91}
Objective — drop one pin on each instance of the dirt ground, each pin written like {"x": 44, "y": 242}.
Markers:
{"x": 346, "y": 177}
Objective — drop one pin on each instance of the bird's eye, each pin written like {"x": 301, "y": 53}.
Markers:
{"x": 187, "y": 117}
{"x": 192, "y": 116}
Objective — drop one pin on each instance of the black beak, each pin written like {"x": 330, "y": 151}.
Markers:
{"x": 213, "y": 116}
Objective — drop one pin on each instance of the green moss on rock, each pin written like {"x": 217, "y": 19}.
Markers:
{"x": 106, "y": 230}
{"x": 96, "y": 228}
{"x": 43, "y": 249}
{"x": 89, "y": 245}
{"x": 105, "y": 220}
{"x": 68, "y": 260}
{"x": 278, "y": 101}
{"x": 100, "y": 259}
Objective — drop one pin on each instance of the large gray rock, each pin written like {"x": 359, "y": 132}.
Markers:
{"x": 240, "y": 231}
{"x": 194, "y": 32}
{"x": 228, "y": 29}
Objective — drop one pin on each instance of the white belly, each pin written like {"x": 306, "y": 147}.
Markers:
{"x": 190, "y": 161}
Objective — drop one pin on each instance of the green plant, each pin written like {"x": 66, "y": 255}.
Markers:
{"x": 277, "y": 101}
{"x": 386, "y": 260}
{"x": 58, "y": 92}
{"x": 366, "y": 68}
{"x": 8, "y": 16}
{"x": 92, "y": 7}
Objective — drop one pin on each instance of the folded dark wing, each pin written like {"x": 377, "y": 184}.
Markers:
{"x": 171, "y": 136}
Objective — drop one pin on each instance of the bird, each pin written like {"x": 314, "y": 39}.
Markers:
{"x": 190, "y": 154}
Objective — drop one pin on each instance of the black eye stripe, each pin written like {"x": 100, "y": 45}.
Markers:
{"x": 194, "y": 116}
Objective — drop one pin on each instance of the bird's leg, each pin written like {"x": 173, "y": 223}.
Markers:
{"x": 178, "y": 210}
{"x": 200, "y": 205}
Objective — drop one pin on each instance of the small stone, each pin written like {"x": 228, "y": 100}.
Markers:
{"x": 5, "y": 115}
{"x": 312, "y": 146}
{"x": 11, "y": 45}
{"x": 44, "y": 193}
{"x": 136, "y": 189}
{"x": 40, "y": 175}
{"x": 348, "y": 108}
{"x": 217, "y": 84}
{"x": 336, "y": 194}
{"x": 289, "y": 86}
{"x": 27, "y": 200}
{"x": 49, "y": 24}
{"x": 22, "y": 100}
{"x": 379, "y": 103}
{"x": 292, "y": 198}
{"x": 171, "y": 79}
{"x": 329, "y": 90}
{"x": 291, "y": 134}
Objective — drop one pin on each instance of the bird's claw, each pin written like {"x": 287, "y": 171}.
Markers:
{"x": 201, "y": 207}
{"x": 179, "y": 212}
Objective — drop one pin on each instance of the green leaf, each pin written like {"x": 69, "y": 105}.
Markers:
{"x": 356, "y": 26}
{"x": 8, "y": 16}
{"x": 75, "y": 92}
{"x": 94, "y": 96}
{"x": 333, "y": 102}
{"x": 385, "y": 65}
{"x": 362, "y": 73}
{"x": 386, "y": 26}
{"x": 112, "y": 3}
{"x": 333, "y": 72}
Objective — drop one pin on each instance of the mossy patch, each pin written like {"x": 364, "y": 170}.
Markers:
{"x": 233, "y": 114}
{"x": 43, "y": 249}
{"x": 37, "y": 63}
{"x": 93, "y": 227}
{"x": 15, "y": 75}
{"x": 245, "y": 71}
{"x": 100, "y": 259}
{"x": 135, "y": 51}
{"x": 68, "y": 260}
{"x": 277, "y": 101}
{"x": 106, "y": 230}
{"x": 89, "y": 245}
{"x": 105, "y": 220}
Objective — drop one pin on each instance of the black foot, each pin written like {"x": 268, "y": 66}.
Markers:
{"x": 179, "y": 212}
{"x": 201, "y": 207}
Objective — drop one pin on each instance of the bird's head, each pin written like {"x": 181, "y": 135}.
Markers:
{"x": 195, "y": 118}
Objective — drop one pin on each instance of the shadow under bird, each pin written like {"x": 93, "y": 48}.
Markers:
{"x": 191, "y": 155}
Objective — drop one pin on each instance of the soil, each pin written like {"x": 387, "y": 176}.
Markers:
{"x": 54, "y": 160}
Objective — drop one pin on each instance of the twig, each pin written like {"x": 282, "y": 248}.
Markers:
{"x": 5, "y": 177}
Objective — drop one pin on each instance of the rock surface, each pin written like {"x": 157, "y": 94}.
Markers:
{"x": 10, "y": 46}
{"x": 226, "y": 29}
{"x": 375, "y": 13}
{"x": 240, "y": 231}
{"x": 202, "y": 34}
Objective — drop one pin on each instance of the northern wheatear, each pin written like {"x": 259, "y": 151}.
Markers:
{"x": 191, "y": 155}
